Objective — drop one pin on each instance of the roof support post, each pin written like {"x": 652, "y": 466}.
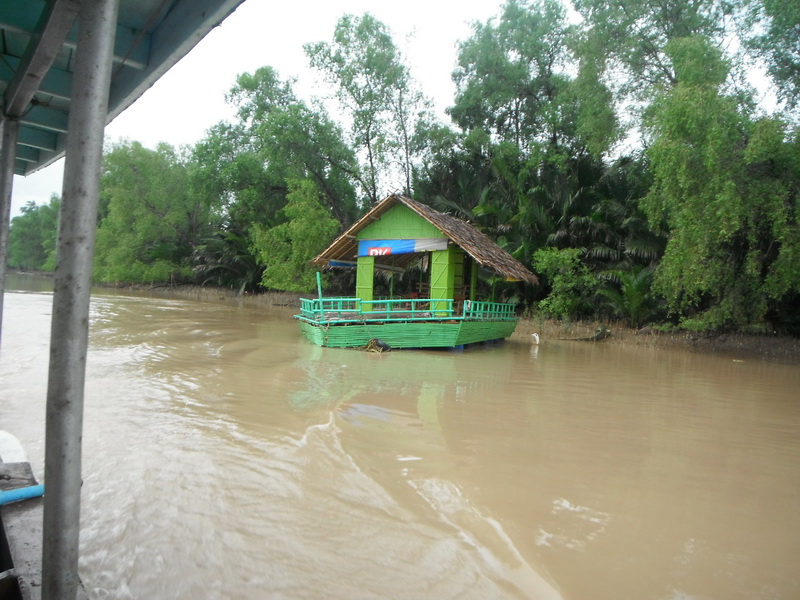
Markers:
{"x": 365, "y": 279}
{"x": 8, "y": 152}
{"x": 71, "y": 294}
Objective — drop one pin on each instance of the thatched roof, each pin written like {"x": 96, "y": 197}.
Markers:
{"x": 478, "y": 245}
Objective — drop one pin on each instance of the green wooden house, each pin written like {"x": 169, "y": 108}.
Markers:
{"x": 443, "y": 312}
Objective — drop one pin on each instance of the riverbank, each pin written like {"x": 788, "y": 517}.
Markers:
{"x": 738, "y": 346}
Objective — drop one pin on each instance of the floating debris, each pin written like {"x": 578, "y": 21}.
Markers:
{"x": 376, "y": 345}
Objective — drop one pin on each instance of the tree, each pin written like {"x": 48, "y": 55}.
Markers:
{"x": 375, "y": 90}
{"x": 510, "y": 74}
{"x": 245, "y": 167}
{"x": 292, "y": 141}
{"x": 628, "y": 294}
{"x": 629, "y": 37}
{"x": 32, "y": 236}
{"x": 410, "y": 113}
{"x": 154, "y": 222}
{"x": 723, "y": 184}
{"x": 625, "y": 41}
{"x": 227, "y": 168}
{"x": 285, "y": 250}
{"x": 570, "y": 281}
{"x": 777, "y": 45}
{"x": 454, "y": 173}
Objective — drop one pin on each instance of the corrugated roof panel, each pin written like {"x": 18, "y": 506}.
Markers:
{"x": 151, "y": 36}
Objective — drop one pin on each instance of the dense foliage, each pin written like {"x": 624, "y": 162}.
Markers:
{"x": 284, "y": 250}
{"x": 32, "y": 237}
{"x": 613, "y": 146}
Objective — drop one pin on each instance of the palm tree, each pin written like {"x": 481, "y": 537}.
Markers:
{"x": 628, "y": 295}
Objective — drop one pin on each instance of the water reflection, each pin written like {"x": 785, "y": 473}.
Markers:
{"x": 222, "y": 447}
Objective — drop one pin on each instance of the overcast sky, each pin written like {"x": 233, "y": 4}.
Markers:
{"x": 189, "y": 99}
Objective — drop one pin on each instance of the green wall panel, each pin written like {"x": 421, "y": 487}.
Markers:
{"x": 399, "y": 223}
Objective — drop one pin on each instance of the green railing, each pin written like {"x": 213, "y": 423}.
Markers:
{"x": 329, "y": 309}
{"x": 355, "y": 310}
{"x": 491, "y": 310}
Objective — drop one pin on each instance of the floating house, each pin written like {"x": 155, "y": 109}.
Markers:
{"x": 443, "y": 311}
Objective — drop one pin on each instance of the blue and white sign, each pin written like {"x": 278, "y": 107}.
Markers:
{"x": 389, "y": 247}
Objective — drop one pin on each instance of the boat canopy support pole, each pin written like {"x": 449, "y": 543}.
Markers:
{"x": 71, "y": 294}
{"x": 8, "y": 149}
{"x": 38, "y": 58}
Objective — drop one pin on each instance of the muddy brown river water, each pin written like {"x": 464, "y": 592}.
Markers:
{"x": 226, "y": 457}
